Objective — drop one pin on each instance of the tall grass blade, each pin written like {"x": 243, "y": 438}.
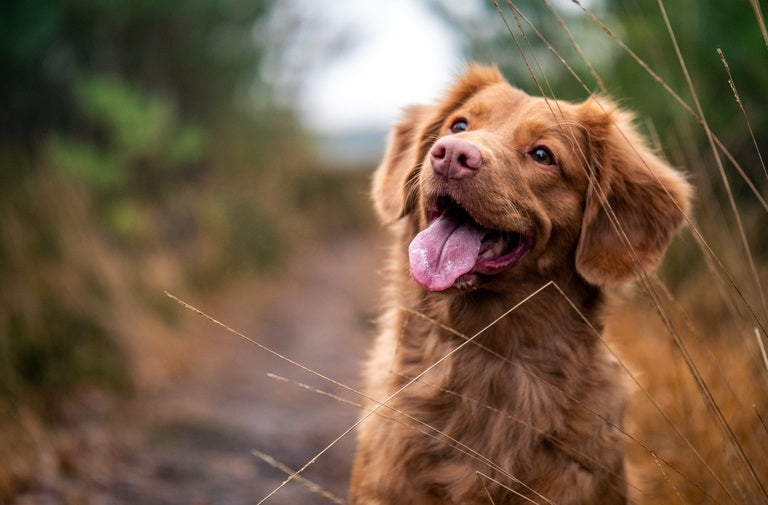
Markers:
{"x": 314, "y": 488}
{"x": 743, "y": 111}
{"x": 760, "y": 21}
{"x": 762, "y": 348}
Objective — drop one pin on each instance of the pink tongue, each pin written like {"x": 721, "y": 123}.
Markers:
{"x": 443, "y": 252}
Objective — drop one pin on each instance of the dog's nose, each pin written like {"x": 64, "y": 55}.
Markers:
{"x": 455, "y": 158}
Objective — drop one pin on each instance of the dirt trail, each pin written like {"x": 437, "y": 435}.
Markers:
{"x": 191, "y": 438}
{"x": 318, "y": 312}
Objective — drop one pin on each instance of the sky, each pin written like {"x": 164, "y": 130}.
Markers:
{"x": 396, "y": 53}
{"x": 406, "y": 56}
{"x": 353, "y": 65}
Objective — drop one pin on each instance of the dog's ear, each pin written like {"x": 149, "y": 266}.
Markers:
{"x": 635, "y": 201}
{"x": 395, "y": 180}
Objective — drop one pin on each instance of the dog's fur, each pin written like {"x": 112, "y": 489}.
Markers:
{"x": 530, "y": 410}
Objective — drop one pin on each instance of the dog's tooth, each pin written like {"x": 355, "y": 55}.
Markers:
{"x": 498, "y": 246}
{"x": 494, "y": 249}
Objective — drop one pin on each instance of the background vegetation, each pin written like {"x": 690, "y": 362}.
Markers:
{"x": 140, "y": 150}
{"x": 131, "y": 130}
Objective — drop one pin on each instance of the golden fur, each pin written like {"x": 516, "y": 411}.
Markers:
{"x": 529, "y": 411}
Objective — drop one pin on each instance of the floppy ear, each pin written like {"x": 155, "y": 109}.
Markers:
{"x": 394, "y": 182}
{"x": 397, "y": 172}
{"x": 635, "y": 201}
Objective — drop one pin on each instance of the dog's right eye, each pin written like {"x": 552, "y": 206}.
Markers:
{"x": 459, "y": 126}
{"x": 542, "y": 156}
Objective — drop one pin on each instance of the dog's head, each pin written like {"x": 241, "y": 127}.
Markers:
{"x": 500, "y": 185}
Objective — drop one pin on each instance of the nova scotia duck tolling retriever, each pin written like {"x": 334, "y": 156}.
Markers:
{"x": 498, "y": 200}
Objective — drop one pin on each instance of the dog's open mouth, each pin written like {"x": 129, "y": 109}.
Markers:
{"x": 454, "y": 249}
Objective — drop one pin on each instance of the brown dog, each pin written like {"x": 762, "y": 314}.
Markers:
{"x": 492, "y": 194}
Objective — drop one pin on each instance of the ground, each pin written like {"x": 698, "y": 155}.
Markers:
{"x": 209, "y": 400}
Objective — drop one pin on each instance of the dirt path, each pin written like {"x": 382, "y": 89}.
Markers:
{"x": 190, "y": 439}
{"x": 317, "y": 312}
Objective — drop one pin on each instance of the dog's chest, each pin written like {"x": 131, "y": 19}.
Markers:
{"x": 481, "y": 399}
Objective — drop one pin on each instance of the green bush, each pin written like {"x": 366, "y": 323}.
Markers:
{"x": 47, "y": 357}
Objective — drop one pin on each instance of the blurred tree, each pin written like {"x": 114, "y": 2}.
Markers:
{"x": 700, "y": 28}
{"x": 521, "y": 38}
{"x": 125, "y": 131}
{"x": 198, "y": 51}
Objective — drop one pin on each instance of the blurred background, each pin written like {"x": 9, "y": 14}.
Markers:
{"x": 220, "y": 150}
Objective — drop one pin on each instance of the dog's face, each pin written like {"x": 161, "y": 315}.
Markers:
{"x": 501, "y": 186}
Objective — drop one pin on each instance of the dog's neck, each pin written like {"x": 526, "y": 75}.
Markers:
{"x": 548, "y": 341}
{"x": 542, "y": 314}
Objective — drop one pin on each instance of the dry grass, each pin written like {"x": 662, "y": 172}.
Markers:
{"x": 680, "y": 451}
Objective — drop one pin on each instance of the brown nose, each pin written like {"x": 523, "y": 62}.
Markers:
{"x": 455, "y": 158}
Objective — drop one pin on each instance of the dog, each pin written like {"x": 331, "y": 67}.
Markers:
{"x": 505, "y": 204}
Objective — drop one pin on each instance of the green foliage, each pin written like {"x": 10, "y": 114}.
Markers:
{"x": 253, "y": 237}
{"x": 82, "y": 161}
{"x": 136, "y": 136}
{"x": 47, "y": 357}
{"x": 700, "y": 28}
{"x": 198, "y": 51}
{"x": 137, "y": 125}
{"x": 120, "y": 122}
{"x": 52, "y": 338}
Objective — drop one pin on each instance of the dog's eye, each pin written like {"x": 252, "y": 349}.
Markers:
{"x": 542, "y": 156}
{"x": 458, "y": 126}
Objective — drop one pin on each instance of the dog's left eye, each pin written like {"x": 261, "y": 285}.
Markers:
{"x": 542, "y": 156}
{"x": 459, "y": 126}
